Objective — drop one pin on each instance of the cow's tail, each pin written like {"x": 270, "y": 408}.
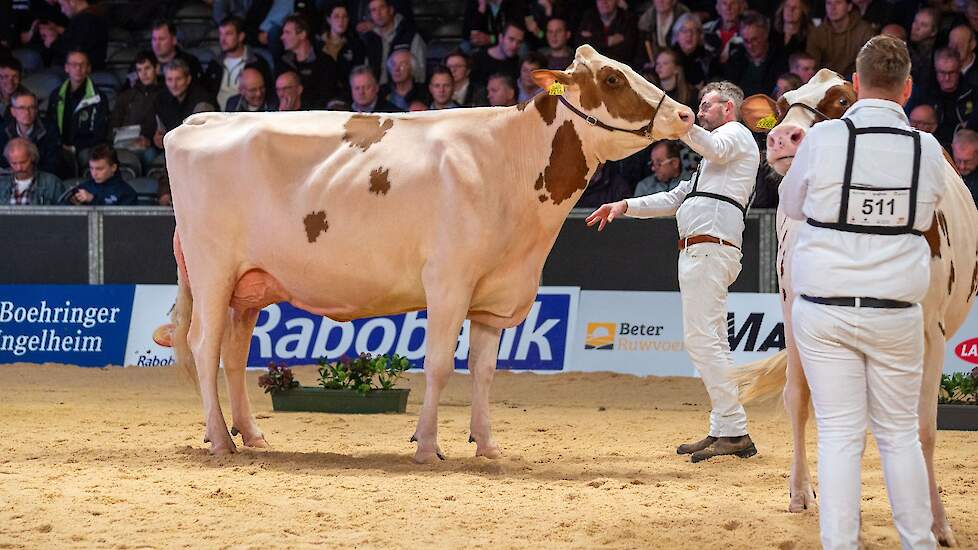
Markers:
{"x": 180, "y": 318}
{"x": 762, "y": 379}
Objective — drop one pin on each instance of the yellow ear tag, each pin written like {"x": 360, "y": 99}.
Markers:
{"x": 767, "y": 122}
{"x": 556, "y": 89}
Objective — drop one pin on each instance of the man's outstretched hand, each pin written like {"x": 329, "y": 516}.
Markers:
{"x": 606, "y": 213}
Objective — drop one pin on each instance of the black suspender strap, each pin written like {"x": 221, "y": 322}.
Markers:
{"x": 847, "y": 177}
{"x": 728, "y": 200}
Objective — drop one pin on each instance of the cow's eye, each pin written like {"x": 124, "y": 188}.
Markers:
{"x": 843, "y": 102}
{"x": 612, "y": 80}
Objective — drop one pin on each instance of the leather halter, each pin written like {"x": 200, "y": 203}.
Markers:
{"x": 818, "y": 114}
{"x": 645, "y": 132}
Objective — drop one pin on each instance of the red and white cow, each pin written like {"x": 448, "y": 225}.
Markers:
{"x": 352, "y": 215}
{"x": 953, "y": 238}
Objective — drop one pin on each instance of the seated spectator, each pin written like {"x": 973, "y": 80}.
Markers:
{"x": 835, "y": 43}
{"x": 401, "y": 89}
{"x": 608, "y": 184}
{"x": 923, "y": 34}
{"x": 105, "y": 186}
{"x": 87, "y": 31}
{"x": 610, "y": 30}
{"x": 416, "y": 106}
{"x": 222, "y": 74}
{"x": 924, "y": 118}
{"x": 24, "y": 124}
{"x": 486, "y": 19}
{"x": 164, "y": 43}
{"x": 11, "y": 73}
{"x": 316, "y": 71}
{"x": 894, "y": 31}
{"x": 341, "y": 43}
{"x": 289, "y": 89}
{"x": 667, "y": 169}
{"x": 503, "y": 58}
{"x": 698, "y": 64}
{"x": 252, "y": 95}
{"x": 464, "y": 91}
{"x": 962, "y": 39}
{"x": 502, "y": 90}
{"x": 720, "y": 32}
{"x": 669, "y": 77}
{"x": 752, "y": 64}
{"x": 365, "y": 93}
{"x": 786, "y": 83}
{"x": 389, "y": 31}
{"x": 656, "y": 25}
{"x": 792, "y": 24}
{"x": 440, "y": 88}
{"x": 136, "y": 106}
{"x": 965, "y": 148}
{"x": 952, "y": 99}
{"x": 25, "y": 185}
{"x": 558, "y": 51}
{"x": 78, "y": 111}
{"x": 182, "y": 98}
{"x": 258, "y": 17}
{"x": 803, "y": 65}
{"x": 527, "y": 86}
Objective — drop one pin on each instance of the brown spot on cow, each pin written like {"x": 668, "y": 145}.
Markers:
{"x": 567, "y": 172}
{"x": 590, "y": 95}
{"x": 546, "y": 105}
{"x": 380, "y": 183}
{"x": 620, "y": 99}
{"x": 315, "y": 223}
{"x": 943, "y": 331}
{"x": 943, "y": 222}
{"x": 782, "y": 107}
{"x": 539, "y": 184}
{"x": 933, "y": 238}
{"x": 365, "y": 130}
{"x": 974, "y": 282}
{"x": 837, "y": 100}
{"x": 950, "y": 279}
{"x": 542, "y": 198}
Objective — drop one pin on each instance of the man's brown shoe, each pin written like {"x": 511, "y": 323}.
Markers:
{"x": 741, "y": 447}
{"x": 690, "y": 448}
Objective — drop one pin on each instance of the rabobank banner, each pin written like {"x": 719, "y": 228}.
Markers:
{"x": 75, "y": 324}
{"x": 294, "y": 336}
{"x": 642, "y": 332}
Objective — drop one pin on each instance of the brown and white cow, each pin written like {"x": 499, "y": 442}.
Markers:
{"x": 953, "y": 238}
{"x": 352, "y": 215}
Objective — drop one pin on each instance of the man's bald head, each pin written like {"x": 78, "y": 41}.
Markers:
{"x": 251, "y": 86}
{"x": 924, "y": 118}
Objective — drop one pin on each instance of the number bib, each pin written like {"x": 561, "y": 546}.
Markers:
{"x": 878, "y": 207}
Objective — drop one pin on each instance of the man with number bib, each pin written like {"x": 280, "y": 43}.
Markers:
{"x": 867, "y": 185}
{"x": 710, "y": 210}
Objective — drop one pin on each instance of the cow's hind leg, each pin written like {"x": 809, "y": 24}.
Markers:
{"x": 447, "y": 306}
{"x": 234, "y": 352}
{"x": 927, "y": 412}
{"x": 796, "y": 398}
{"x": 484, "y": 350}
{"x": 207, "y": 324}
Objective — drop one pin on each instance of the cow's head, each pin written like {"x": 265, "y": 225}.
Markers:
{"x": 610, "y": 94}
{"x": 826, "y": 96}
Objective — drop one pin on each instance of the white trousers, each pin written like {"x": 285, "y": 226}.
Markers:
{"x": 864, "y": 366}
{"x": 706, "y": 271}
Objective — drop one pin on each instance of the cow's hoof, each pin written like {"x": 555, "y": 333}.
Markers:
{"x": 428, "y": 457}
{"x": 945, "y": 536}
{"x": 801, "y": 500}
{"x": 223, "y": 450}
{"x": 256, "y": 442}
{"x": 489, "y": 451}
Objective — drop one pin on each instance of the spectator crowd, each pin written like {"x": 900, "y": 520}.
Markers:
{"x": 88, "y": 89}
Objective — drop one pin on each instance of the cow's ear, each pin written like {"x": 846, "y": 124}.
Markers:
{"x": 545, "y": 78}
{"x": 759, "y": 113}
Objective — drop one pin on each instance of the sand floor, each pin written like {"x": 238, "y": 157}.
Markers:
{"x": 112, "y": 458}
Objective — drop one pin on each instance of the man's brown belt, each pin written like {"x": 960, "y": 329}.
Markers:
{"x": 697, "y": 239}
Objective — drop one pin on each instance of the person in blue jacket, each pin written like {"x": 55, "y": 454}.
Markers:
{"x": 105, "y": 187}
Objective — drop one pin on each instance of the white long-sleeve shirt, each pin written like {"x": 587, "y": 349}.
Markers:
{"x": 728, "y": 168}
{"x": 831, "y": 263}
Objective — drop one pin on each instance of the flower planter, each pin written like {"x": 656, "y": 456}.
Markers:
{"x": 316, "y": 399}
{"x": 957, "y": 417}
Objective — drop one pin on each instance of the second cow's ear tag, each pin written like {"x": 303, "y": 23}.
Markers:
{"x": 767, "y": 122}
{"x": 556, "y": 89}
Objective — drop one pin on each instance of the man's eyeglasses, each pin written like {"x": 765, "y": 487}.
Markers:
{"x": 657, "y": 163}
{"x": 24, "y": 107}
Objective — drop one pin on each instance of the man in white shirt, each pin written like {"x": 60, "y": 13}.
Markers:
{"x": 710, "y": 209}
{"x": 861, "y": 267}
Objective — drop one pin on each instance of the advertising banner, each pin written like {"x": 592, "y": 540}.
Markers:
{"x": 642, "y": 332}
{"x": 74, "y": 324}
{"x": 293, "y": 336}
{"x": 962, "y": 348}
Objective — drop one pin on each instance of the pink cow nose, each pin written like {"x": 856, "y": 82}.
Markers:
{"x": 686, "y": 115}
{"x": 785, "y": 140}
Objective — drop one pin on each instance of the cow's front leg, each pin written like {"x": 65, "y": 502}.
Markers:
{"x": 927, "y": 417}
{"x": 447, "y": 306}
{"x": 484, "y": 349}
{"x": 205, "y": 337}
{"x": 796, "y": 398}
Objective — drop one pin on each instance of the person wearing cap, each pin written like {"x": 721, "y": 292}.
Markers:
{"x": 867, "y": 186}
{"x": 710, "y": 209}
